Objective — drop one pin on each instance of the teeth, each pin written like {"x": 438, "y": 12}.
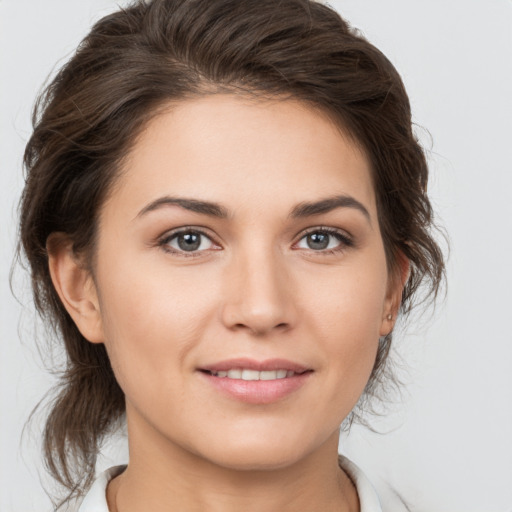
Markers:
{"x": 245, "y": 374}
{"x": 250, "y": 375}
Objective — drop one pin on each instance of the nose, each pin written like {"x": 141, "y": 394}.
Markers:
{"x": 259, "y": 296}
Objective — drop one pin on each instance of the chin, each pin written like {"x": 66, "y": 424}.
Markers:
{"x": 264, "y": 449}
{"x": 256, "y": 458}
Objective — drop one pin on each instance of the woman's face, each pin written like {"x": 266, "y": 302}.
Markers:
{"x": 241, "y": 281}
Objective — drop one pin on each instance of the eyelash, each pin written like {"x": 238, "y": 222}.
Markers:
{"x": 168, "y": 237}
{"x": 345, "y": 240}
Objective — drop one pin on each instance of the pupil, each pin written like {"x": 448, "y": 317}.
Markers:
{"x": 318, "y": 240}
{"x": 189, "y": 241}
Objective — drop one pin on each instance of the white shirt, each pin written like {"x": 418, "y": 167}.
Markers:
{"x": 96, "y": 501}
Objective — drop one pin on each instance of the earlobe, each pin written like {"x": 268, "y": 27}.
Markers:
{"x": 75, "y": 287}
{"x": 393, "y": 300}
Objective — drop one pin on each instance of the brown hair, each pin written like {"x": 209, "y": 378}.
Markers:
{"x": 140, "y": 58}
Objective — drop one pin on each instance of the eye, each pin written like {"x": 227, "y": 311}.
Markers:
{"x": 187, "y": 241}
{"x": 325, "y": 240}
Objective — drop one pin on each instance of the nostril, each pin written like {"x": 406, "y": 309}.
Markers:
{"x": 264, "y": 329}
{"x": 258, "y": 315}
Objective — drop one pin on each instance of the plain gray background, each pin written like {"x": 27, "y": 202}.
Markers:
{"x": 448, "y": 446}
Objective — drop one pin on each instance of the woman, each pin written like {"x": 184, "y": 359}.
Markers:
{"x": 225, "y": 213}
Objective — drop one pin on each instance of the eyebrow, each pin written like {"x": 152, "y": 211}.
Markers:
{"x": 304, "y": 209}
{"x": 308, "y": 209}
{"x": 194, "y": 205}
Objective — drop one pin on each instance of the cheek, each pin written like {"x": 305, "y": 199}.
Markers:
{"x": 151, "y": 320}
{"x": 347, "y": 320}
{"x": 349, "y": 302}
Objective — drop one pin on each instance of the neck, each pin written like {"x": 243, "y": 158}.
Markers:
{"x": 165, "y": 477}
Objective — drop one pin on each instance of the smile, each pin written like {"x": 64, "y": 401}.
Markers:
{"x": 256, "y": 382}
{"x": 247, "y": 374}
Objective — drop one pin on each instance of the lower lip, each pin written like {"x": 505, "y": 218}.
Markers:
{"x": 258, "y": 391}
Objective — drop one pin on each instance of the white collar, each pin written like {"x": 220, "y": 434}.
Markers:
{"x": 96, "y": 501}
{"x": 368, "y": 499}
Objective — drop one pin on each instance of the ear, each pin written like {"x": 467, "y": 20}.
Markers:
{"x": 397, "y": 281}
{"x": 75, "y": 287}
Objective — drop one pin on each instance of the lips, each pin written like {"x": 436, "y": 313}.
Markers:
{"x": 251, "y": 364}
{"x": 247, "y": 374}
{"x": 256, "y": 382}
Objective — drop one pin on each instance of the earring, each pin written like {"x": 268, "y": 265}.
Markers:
{"x": 390, "y": 317}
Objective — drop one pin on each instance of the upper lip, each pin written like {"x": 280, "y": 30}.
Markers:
{"x": 252, "y": 364}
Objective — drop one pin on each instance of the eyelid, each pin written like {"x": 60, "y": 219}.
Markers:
{"x": 346, "y": 239}
{"x": 164, "y": 240}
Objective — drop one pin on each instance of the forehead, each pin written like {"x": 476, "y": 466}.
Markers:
{"x": 244, "y": 152}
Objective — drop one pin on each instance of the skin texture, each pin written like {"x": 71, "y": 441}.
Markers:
{"x": 254, "y": 288}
